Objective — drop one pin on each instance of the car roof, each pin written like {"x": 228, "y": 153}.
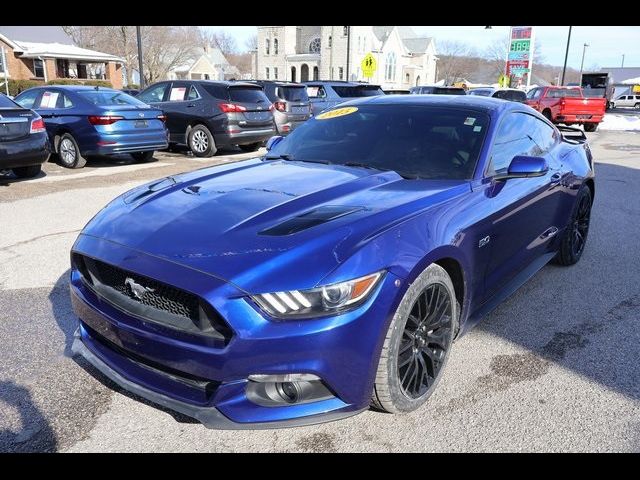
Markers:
{"x": 281, "y": 83}
{"x": 74, "y": 88}
{"x": 486, "y": 104}
{"x": 338, "y": 83}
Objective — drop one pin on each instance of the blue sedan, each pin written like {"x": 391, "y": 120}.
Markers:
{"x": 335, "y": 272}
{"x": 83, "y": 121}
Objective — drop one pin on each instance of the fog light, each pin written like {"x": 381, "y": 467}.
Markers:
{"x": 288, "y": 391}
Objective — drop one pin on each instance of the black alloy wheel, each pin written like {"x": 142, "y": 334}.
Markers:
{"x": 425, "y": 341}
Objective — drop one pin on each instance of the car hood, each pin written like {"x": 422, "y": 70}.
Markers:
{"x": 265, "y": 224}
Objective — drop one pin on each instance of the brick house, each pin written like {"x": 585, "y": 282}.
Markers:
{"x": 45, "y": 53}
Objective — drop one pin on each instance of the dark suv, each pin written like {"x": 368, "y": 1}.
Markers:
{"x": 431, "y": 90}
{"x": 207, "y": 115}
{"x": 291, "y": 106}
{"x": 328, "y": 94}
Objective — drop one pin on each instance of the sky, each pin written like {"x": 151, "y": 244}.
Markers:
{"x": 606, "y": 44}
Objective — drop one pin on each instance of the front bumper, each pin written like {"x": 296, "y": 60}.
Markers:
{"x": 342, "y": 350}
{"x": 210, "y": 417}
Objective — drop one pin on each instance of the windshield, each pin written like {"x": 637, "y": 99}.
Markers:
{"x": 294, "y": 94}
{"x": 415, "y": 141}
{"x": 247, "y": 95}
{"x": 348, "y": 91}
{"x": 109, "y": 97}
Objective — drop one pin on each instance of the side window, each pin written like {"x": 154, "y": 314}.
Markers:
{"x": 49, "y": 99}
{"x": 64, "y": 101}
{"x": 28, "y": 98}
{"x": 514, "y": 137}
{"x": 545, "y": 136}
{"x": 178, "y": 92}
{"x": 193, "y": 93}
{"x": 316, "y": 91}
{"x": 153, "y": 94}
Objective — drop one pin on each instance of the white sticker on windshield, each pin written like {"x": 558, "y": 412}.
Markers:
{"x": 469, "y": 121}
{"x": 477, "y": 128}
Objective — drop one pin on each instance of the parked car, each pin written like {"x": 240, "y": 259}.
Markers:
{"x": 82, "y": 121}
{"x": 291, "y": 106}
{"x": 431, "y": 90}
{"x": 24, "y": 145}
{"x": 568, "y": 106}
{"x": 626, "y": 101}
{"x": 328, "y": 94}
{"x": 336, "y": 270}
{"x": 131, "y": 91}
{"x": 206, "y": 115}
{"x": 511, "y": 94}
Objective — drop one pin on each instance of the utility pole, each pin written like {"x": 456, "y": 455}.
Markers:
{"x": 140, "y": 68}
{"x": 348, "y": 50}
{"x": 566, "y": 55}
{"x": 622, "y": 66}
{"x": 584, "y": 49}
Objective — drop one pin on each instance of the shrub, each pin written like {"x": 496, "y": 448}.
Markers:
{"x": 80, "y": 81}
{"x": 18, "y": 86}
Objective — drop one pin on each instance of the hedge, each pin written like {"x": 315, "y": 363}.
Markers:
{"x": 18, "y": 86}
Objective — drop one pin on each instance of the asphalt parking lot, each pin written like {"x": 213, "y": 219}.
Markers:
{"x": 554, "y": 368}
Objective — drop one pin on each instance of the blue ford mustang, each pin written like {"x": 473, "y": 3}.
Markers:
{"x": 335, "y": 271}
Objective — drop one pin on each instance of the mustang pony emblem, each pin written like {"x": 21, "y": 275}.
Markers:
{"x": 136, "y": 289}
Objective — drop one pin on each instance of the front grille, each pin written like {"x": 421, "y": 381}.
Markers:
{"x": 150, "y": 299}
{"x": 158, "y": 295}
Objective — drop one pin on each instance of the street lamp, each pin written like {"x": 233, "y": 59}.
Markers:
{"x": 584, "y": 49}
{"x": 566, "y": 55}
{"x": 140, "y": 57}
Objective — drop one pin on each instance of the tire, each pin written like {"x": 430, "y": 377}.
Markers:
{"x": 590, "y": 127}
{"x": 575, "y": 235}
{"x": 69, "y": 154}
{"x": 250, "y": 147}
{"x": 637, "y": 106}
{"x": 27, "y": 172}
{"x": 394, "y": 391}
{"x": 611, "y": 105}
{"x": 143, "y": 157}
{"x": 201, "y": 142}
{"x": 547, "y": 115}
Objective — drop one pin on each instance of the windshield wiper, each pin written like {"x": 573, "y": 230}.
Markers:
{"x": 365, "y": 165}
{"x": 289, "y": 157}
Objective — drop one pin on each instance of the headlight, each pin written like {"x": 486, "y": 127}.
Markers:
{"x": 326, "y": 300}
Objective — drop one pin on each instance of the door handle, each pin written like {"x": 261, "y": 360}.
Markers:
{"x": 191, "y": 105}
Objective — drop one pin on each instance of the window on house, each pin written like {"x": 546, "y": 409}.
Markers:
{"x": 38, "y": 68}
{"x": 275, "y": 46}
{"x": 275, "y": 72}
{"x": 340, "y": 73}
{"x": 266, "y": 46}
{"x": 406, "y": 78}
{"x": 314, "y": 45}
{"x": 390, "y": 70}
{"x": 1, "y": 65}
{"x": 330, "y": 41}
{"x": 345, "y": 31}
{"x": 266, "y": 70}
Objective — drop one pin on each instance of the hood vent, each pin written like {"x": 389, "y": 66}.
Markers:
{"x": 310, "y": 219}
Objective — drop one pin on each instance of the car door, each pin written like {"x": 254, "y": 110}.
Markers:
{"x": 525, "y": 211}
{"x": 157, "y": 95}
{"x": 317, "y": 97}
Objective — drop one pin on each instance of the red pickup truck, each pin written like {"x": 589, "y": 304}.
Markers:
{"x": 567, "y": 105}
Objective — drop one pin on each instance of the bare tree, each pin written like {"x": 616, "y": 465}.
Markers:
{"x": 116, "y": 40}
{"x": 167, "y": 47}
{"x": 251, "y": 43}
{"x": 456, "y": 60}
{"x": 220, "y": 39}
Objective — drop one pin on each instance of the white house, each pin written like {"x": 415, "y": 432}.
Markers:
{"x": 210, "y": 65}
{"x": 302, "y": 53}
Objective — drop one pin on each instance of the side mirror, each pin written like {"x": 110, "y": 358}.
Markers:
{"x": 273, "y": 141}
{"x": 524, "y": 167}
